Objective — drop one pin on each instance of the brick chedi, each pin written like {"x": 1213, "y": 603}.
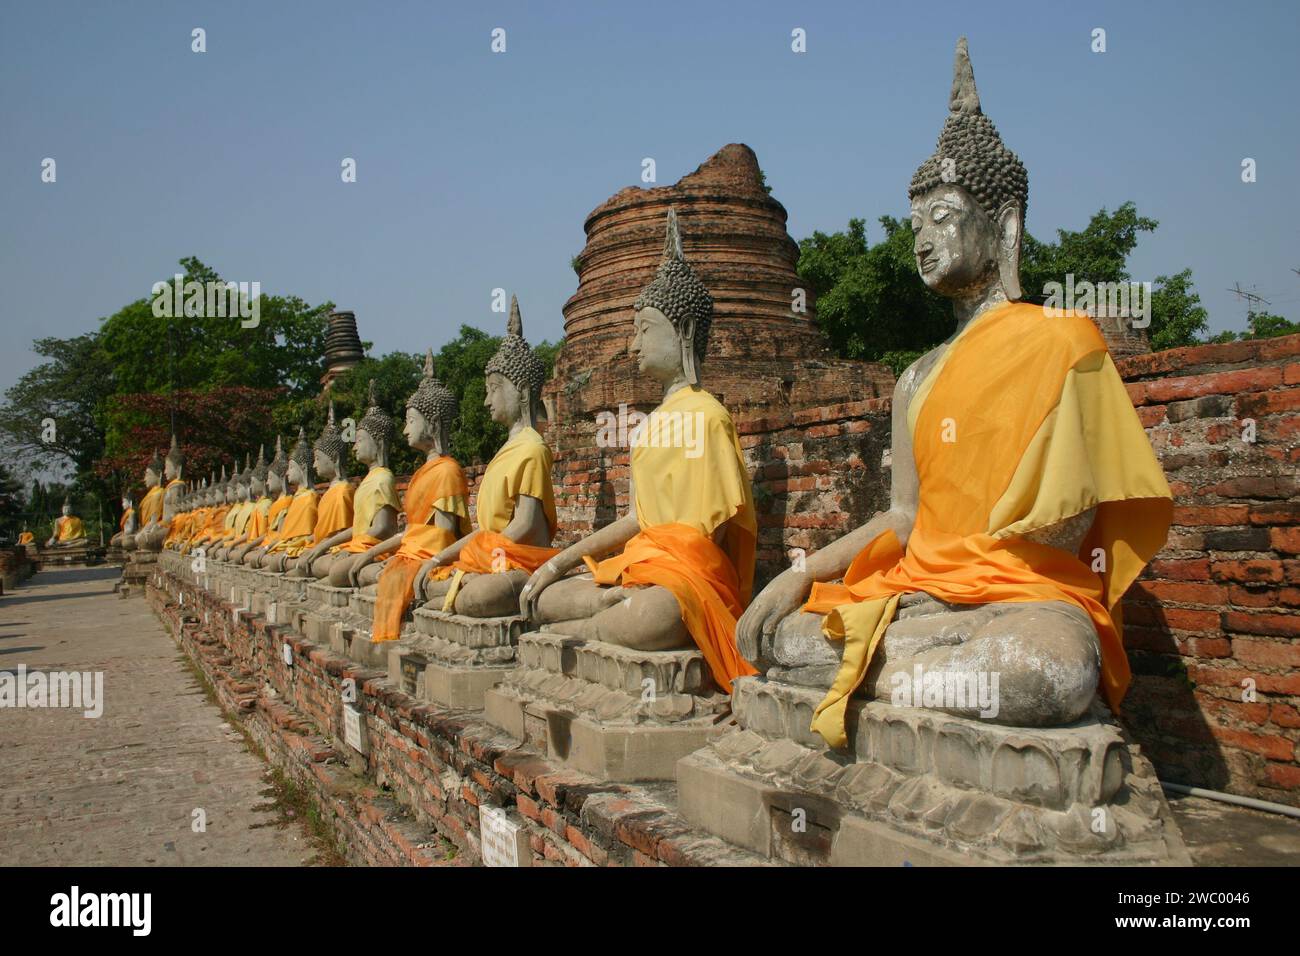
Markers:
{"x": 768, "y": 364}
{"x": 761, "y": 353}
{"x": 342, "y": 346}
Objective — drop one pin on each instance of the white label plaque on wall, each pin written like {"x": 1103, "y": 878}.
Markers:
{"x": 287, "y": 651}
{"x": 352, "y": 727}
{"x": 270, "y": 613}
{"x": 504, "y": 841}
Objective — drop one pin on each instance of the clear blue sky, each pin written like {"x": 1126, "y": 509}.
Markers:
{"x": 476, "y": 170}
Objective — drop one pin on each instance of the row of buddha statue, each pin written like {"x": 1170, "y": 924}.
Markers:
{"x": 1025, "y": 497}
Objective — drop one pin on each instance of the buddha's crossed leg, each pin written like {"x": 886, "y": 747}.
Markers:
{"x": 643, "y": 618}
{"x": 1045, "y": 655}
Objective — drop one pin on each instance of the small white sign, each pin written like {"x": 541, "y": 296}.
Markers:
{"x": 287, "y": 651}
{"x": 504, "y": 841}
{"x": 270, "y": 613}
{"x": 352, "y": 727}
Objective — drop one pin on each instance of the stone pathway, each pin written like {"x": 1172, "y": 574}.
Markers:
{"x": 122, "y": 789}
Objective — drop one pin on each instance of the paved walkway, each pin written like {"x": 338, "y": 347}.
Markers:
{"x": 121, "y": 789}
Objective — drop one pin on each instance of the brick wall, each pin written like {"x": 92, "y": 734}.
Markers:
{"x": 418, "y": 791}
{"x": 1216, "y": 613}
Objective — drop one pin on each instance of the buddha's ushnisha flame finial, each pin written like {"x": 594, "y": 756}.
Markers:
{"x": 514, "y": 359}
{"x": 301, "y": 454}
{"x": 432, "y": 399}
{"x": 260, "y": 469}
{"x": 970, "y": 153}
{"x": 677, "y": 291}
{"x": 279, "y": 463}
{"x": 156, "y": 463}
{"x": 174, "y": 454}
{"x": 377, "y": 422}
{"x": 330, "y": 442}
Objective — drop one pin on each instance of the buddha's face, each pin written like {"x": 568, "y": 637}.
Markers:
{"x": 365, "y": 448}
{"x": 416, "y": 431}
{"x": 274, "y": 482}
{"x": 295, "y": 475}
{"x": 170, "y": 470}
{"x": 150, "y": 478}
{"x": 504, "y": 401}
{"x": 656, "y": 346}
{"x": 955, "y": 241}
{"x": 323, "y": 464}
{"x": 67, "y": 510}
{"x": 126, "y": 503}
{"x": 258, "y": 487}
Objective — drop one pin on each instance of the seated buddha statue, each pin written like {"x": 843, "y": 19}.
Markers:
{"x": 483, "y": 574}
{"x": 214, "y": 528}
{"x": 436, "y": 506}
{"x": 334, "y": 510}
{"x": 251, "y": 551}
{"x": 26, "y": 538}
{"x": 374, "y": 503}
{"x": 125, "y": 524}
{"x": 69, "y": 532}
{"x": 241, "y": 512}
{"x": 152, "y": 536}
{"x": 200, "y": 507}
{"x": 297, "y": 530}
{"x": 149, "y": 513}
{"x": 259, "y": 516}
{"x": 678, "y": 568}
{"x": 181, "y": 525}
{"x": 1025, "y": 496}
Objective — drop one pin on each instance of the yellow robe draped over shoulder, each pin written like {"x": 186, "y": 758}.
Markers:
{"x": 1022, "y": 423}
{"x": 151, "y": 506}
{"x": 26, "y": 538}
{"x": 690, "y": 480}
{"x": 275, "y": 519}
{"x": 522, "y": 466}
{"x": 377, "y": 490}
{"x": 300, "y": 521}
{"x": 438, "y": 485}
{"x": 69, "y": 527}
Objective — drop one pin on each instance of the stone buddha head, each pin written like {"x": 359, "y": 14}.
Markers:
{"x": 329, "y": 449}
{"x": 242, "y": 480}
{"x": 514, "y": 377}
{"x": 153, "y": 471}
{"x": 968, "y": 202}
{"x": 67, "y": 507}
{"x": 128, "y": 502}
{"x": 298, "y": 472}
{"x": 374, "y": 433}
{"x": 175, "y": 463}
{"x": 257, "y": 477}
{"x": 672, "y": 317}
{"x": 430, "y": 411}
{"x": 275, "y": 471}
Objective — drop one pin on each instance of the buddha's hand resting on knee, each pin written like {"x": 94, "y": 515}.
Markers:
{"x": 354, "y": 573}
{"x": 782, "y": 597}
{"x": 540, "y": 580}
{"x": 422, "y": 576}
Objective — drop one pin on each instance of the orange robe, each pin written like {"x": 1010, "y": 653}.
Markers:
{"x": 126, "y": 516}
{"x": 377, "y": 490}
{"x": 1025, "y": 423}
{"x": 213, "y": 528}
{"x": 438, "y": 485}
{"x": 333, "y": 512}
{"x": 275, "y": 519}
{"x": 686, "y": 491}
{"x": 522, "y": 466}
{"x": 151, "y": 506}
{"x": 27, "y": 538}
{"x": 295, "y": 534}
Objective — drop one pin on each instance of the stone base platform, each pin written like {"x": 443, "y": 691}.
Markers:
{"x": 921, "y": 787}
{"x": 452, "y": 660}
{"x": 614, "y": 713}
{"x": 139, "y": 566}
{"x": 69, "y": 557}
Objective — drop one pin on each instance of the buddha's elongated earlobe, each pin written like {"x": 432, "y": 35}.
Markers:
{"x": 1008, "y": 225}
{"x": 686, "y": 335}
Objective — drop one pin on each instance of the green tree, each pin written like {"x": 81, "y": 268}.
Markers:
{"x": 1177, "y": 316}
{"x": 1265, "y": 325}
{"x": 1097, "y": 253}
